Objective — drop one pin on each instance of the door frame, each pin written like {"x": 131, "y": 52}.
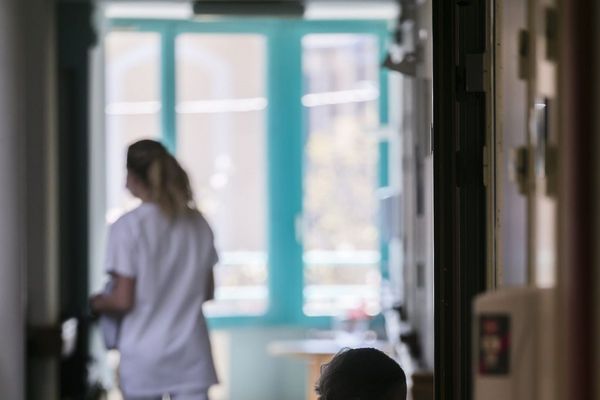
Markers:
{"x": 460, "y": 196}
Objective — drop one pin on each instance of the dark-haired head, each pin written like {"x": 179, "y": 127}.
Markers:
{"x": 163, "y": 180}
{"x": 361, "y": 374}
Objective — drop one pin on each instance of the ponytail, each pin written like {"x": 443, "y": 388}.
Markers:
{"x": 167, "y": 181}
{"x": 170, "y": 186}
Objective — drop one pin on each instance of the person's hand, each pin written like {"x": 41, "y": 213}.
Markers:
{"x": 94, "y": 303}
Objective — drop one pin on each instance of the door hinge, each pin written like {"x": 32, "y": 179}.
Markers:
{"x": 519, "y": 167}
{"x": 551, "y": 34}
{"x": 523, "y": 47}
{"x": 406, "y": 66}
{"x": 551, "y": 166}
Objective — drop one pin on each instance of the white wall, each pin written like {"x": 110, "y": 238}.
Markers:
{"x": 512, "y": 111}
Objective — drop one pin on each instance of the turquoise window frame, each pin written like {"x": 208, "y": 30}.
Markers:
{"x": 285, "y": 129}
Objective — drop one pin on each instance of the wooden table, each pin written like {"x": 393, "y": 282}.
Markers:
{"x": 318, "y": 352}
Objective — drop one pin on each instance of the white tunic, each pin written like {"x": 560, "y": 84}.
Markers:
{"x": 164, "y": 341}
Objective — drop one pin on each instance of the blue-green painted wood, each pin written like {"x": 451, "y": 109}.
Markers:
{"x": 168, "y": 89}
{"x": 384, "y": 147}
{"x": 285, "y": 148}
{"x": 256, "y": 25}
{"x": 384, "y": 42}
{"x": 384, "y": 181}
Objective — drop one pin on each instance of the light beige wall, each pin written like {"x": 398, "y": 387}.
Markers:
{"x": 511, "y": 123}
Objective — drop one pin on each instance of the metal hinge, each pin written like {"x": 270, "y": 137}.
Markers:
{"x": 523, "y": 47}
{"x": 551, "y": 166}
{"x": 406, "y": 66}
{"x": 518, "y": 168}
{"x": 551, "y": 34}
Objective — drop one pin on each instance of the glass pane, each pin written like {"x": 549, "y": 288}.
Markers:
{"x": 221, "y": 141}
{"x": 132, "y": 106}
{"x": 341, "y": 244}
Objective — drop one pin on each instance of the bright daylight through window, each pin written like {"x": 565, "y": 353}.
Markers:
{"x": 206, "y": 95}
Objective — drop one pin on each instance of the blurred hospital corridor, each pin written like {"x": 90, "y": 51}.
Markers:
{"x": 261, "y": 185}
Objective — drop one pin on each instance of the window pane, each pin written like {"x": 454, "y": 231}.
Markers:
{"x": 132, "y": 106}
{"x": 221, "y": 141}
{"x": 341, "y": 244}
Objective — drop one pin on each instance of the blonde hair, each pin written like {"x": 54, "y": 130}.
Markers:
{"x": 167, "y": 181}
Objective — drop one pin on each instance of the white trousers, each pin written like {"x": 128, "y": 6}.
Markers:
{"x": 174, "y": 396}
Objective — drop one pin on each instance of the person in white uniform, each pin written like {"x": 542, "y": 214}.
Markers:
{"x": 161, "y": 257}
